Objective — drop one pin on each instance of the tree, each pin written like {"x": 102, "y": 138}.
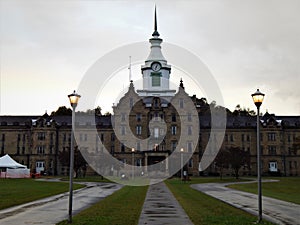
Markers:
{"x": 62, "y": 111}
{"x": 243, "y": 111}
{"x": 238, "y": 158}
{"x": 222, "y": 161}
{"x": 79, "y": 162}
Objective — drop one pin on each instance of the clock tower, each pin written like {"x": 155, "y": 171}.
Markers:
{"x": 156, "y": 71}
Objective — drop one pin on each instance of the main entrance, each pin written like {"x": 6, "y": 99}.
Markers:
{"x": 157, "y": 161}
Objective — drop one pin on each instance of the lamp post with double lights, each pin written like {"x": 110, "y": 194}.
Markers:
{"x": 181, "y": 163}
{"x": 132, "y": 150}
{"x": 258, "y": 98}
{"x": 74, "y": 98}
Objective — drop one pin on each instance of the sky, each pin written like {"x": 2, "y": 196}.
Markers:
{"x": 46, "y": 47}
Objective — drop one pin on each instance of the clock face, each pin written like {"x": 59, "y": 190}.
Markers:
{"x": 156, "y": 66}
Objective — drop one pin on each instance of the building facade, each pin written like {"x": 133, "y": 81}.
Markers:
{"x": 151, "y": 123}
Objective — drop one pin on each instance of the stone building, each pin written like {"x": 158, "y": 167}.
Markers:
{"x": 152, "y": 123}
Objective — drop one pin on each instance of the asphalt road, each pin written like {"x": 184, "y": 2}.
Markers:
{"x": 276, "y": 211}
{"x": 55, "y": 209}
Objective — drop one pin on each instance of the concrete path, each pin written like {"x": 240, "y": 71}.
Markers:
{"x": 161, "y": 207}
{"x": 55, "y": 209}
{"x": 276, "y": 211}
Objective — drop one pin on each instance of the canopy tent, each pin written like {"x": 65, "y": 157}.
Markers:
{"x": 9, "y": 168}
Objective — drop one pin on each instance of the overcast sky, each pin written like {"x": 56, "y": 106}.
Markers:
{"x": 47, "y": 46}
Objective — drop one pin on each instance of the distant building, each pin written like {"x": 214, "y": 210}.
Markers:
{"x": 37, "y": 141}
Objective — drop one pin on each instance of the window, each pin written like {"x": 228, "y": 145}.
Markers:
{"x": 123, "y": 117}
{"x": 156, "y": 103}
{"x": 190, "y": 146}
{"x": 131, "y": 102}
{"x": 226, "y": 137}
{"x": 156, "y": 79}
{"x": 189, "y": 130}
{"x": 156, "y": 116}
{"x": 231, "y": 138}
{"x": 173, "y": 145}
{"x": 41, "y": 136}
{"x": 138, "y": 129}
{"x": 156, "y": 132}
{"x": 162, "y": 116}
{"x": 138, "y": 117}
{"x": 272, "y": 150}
{"x": 102, "y": 137}
{"x": 173, "y": 130}
{"x": 271, "y": 137}
{"x": 189, "y": 117}
{"x": 161, "y": 131}
{"x": 181, "y": 103}
{"x": 112, "y": 149}
{"x": 243, "y": 137}
{"x": 122, "y": 147}
{"x": 248, "y": 137}
{"x": 123, "y": 130}
{"x": 173, "y": 117}
{"x": 112, "y": 137}
{"x": 138, "y": 146}
{"x": 191, "y": 163}
{"x": 41, "y": 149}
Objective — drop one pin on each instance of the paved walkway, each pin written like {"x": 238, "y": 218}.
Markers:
{"x": 161, "y": 207}
{"x": 55, "y": 209}
{"x": 276, "y": 211}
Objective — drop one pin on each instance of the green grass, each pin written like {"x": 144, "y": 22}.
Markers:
{"x": 205, "y": 210}
{"x": 122, "y": 207}
{"x": 287, "y": 189}
{"x": 88, "y": 179}
{"x": 18, "y": 191}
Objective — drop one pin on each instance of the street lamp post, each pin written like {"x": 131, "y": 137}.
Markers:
{"x": 181, "y": 163}
{"x": 73, "y": 101}
{"x": 258, "y": 98}
{"x": 132, "y": 150}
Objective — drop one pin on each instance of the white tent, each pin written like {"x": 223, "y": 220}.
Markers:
{"x": 9, "y": 168}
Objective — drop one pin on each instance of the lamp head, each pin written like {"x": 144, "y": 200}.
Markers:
{"x": 258, "y": 98}
{"x": 74, "y": 98}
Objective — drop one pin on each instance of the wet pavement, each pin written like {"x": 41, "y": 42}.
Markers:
{"x": 55, "y": 209}
{"x": 161, "y": 207}
{"x": 276, "y": 211}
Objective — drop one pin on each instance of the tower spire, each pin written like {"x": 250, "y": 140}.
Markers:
{"x": 129, "y": 68}
{"x": 155, "y": 33}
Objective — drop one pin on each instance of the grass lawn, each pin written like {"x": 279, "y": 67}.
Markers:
{"x": 287, "y": 189}
{"x": 123, "y": 207}
{"x": 88, "y": 179}
{"x": 205, "y": 210}
{"x": 18, "y": 191}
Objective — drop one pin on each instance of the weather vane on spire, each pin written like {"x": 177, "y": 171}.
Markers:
{"x": 155, "y": 33}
